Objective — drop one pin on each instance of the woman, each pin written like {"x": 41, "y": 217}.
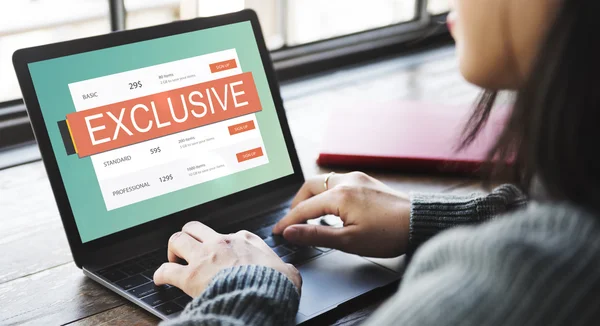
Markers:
{"x": 538, "y": 264}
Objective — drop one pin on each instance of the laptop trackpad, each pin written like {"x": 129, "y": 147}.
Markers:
{"x": 339, "y": 277}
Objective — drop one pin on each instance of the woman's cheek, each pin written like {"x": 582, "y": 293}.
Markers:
{"x": 480, "y": 48}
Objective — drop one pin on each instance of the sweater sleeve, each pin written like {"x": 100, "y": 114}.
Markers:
{"x": 537, "y": 266}
{"x": 432, "y": 213}
{"x": 243, "y": 295}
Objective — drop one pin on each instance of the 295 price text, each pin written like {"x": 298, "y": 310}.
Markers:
{"x": 134, "y": 85}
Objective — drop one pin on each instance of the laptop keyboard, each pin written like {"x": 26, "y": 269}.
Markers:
{"x": 135, "y": 276}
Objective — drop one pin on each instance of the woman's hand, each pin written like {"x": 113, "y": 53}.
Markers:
{"x": 207, "y": 252}
{"x": 376, "y": 218}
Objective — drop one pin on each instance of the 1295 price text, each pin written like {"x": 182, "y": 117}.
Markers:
{"x": 166, "y": 178}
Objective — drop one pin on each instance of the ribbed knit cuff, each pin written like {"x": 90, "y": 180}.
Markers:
{"x": 250, "y": 294}
{"x": 433, "y": 213}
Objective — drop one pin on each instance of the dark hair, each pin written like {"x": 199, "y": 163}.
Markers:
{"x": 554, "y": 127}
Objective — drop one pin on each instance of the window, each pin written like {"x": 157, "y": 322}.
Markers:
{"x": 286, "y": 23}
{"x": 304, "y": 35}
{"x": 29, "y": 23}
{"x": 142, "y": 13}
{"x": 437, "y": 7}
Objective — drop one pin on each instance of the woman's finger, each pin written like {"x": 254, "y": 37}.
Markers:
{"x": 182, "y": 245}
{"x": 318, "y": 235}
{"x": 170, "y": 273}
{"x": 315, "y": 186}
{"x": 317, "y": 206}
{"x": 200, "y": 231}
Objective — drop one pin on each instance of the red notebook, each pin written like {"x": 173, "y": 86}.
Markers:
{"x": 406, "y": 136}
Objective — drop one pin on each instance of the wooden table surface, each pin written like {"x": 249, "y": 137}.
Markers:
{"x": 40, "y": 285}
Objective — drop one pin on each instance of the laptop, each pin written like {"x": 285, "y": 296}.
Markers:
{"x": 142, "y": 131}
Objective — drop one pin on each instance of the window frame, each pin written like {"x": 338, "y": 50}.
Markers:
{"x": 290, "y": 62}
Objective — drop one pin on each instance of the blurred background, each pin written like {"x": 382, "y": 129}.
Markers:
{"x": 285, "y": 23}
{"x": 304, "y": 36}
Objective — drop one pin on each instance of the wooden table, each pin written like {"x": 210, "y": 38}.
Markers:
{"x": 40, "y": 285}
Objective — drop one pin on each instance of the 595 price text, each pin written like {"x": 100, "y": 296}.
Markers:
{"x": 154, "y": 150}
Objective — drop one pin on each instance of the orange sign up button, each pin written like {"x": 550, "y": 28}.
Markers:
{"x": 250, "y": 154}
{"x": 222, "y": 65}
{"x": 241, "y": 127}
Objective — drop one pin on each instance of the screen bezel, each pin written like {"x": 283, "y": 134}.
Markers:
{"x": 22, "y": 58}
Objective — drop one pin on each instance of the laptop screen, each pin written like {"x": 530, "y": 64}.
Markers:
{"x": 147, "y": 129}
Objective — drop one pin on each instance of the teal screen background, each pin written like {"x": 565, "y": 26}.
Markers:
{"x": 51, "y": 79}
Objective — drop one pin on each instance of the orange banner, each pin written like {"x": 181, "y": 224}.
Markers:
{"x": 125, "y": 123}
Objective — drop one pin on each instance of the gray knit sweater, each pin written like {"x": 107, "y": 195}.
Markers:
{"x": 535, "y": 265}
